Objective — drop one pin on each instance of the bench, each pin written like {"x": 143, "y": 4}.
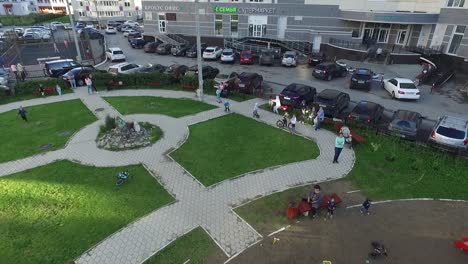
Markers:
{"x": 354, "y": 135}
{"x": 111, "y": 85}
{"x": 49, "y": 90}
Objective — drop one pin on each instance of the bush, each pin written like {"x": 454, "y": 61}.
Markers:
{"x": 189, "y": 80}
{"x": 29, "y": 87}
{"x": 27, "y": 20}
{"x": 101, "y": 79}
{"x": 110, "y": 123}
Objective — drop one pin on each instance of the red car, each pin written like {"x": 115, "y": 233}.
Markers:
{"x": 246, "y": 57}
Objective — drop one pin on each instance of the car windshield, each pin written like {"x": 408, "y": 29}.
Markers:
{"x": 118, "y": 52}
{"x": 209, "y": 50}
{"x": 113, "y": 70}
{"x": 407, "y": 86}
{"x": 247, "y": 54}
{"x": 289, "y": 55}
{"x": 363, "y": 108}
{"x": 450, "y": 132}
{"x": 227, "y": 53}
{"x": 363, "y": 72}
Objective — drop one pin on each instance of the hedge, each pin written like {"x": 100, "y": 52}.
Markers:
{"x": 101, "y": 79}
{"x": 27, "y": 20}
{"x": 30, "y": 87}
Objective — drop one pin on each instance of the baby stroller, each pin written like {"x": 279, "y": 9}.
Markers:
{"x": 378, "y": 249}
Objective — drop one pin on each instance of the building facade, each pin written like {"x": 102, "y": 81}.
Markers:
{"x": 23, "y": 7}
{"x": 438, "y": 24}
{"x": 105, "y": 10}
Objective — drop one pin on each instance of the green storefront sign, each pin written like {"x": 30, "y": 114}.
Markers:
{"x": 222, "y": 9}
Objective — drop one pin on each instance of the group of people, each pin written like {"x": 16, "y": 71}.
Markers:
{"x": 219, "y": 91}
{"x": 19, "y": 71}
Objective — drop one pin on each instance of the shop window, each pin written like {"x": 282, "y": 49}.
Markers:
{"x": 218, "y": 24}
{"x": 171, "y": 17}
{"x": 355, "y": 33}
{"x": 234, "y": 23}
{"x": 456, "y": 39}
{"x": 455, "y": 3}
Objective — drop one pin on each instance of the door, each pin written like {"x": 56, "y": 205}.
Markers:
{"x": 424, "y": 35}
{"x": 316, "y": 44}
{"x": 367, "y": 34}
{"x": 162, "y": 26}
{"x": 257, "y": 30}
{"x": 282, "y": 24}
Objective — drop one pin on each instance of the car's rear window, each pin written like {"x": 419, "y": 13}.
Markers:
{"x": 407, "y": 86}
{"x": 288, "y": 55}
{"x": 363, "y": 72}
{"x": 325, "y": 100}
{"x": 364, "y": 108}
{"x": 247, "y": 54}
{"x": 321, "y": 67}
{"x": 451, "y": 132}
{"x": 227, "y": 53}
{"x": 209, "y": 50}
{"x": 118, "y": 52}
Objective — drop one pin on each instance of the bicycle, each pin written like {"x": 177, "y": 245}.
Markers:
{"x": 283, "y": 123}
{"x": 122, "y": 177}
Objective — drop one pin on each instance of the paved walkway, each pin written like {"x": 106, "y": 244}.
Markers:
{"x": 196, "y": 205}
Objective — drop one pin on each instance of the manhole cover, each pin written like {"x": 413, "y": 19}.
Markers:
{"x": 99, "y": 109}
{"x": 46, "y": 146}
{"x": 64, "y": 133}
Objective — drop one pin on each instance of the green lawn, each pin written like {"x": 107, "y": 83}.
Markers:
{"x": 46, "y": 122}
{"x": 127, "y": 105}
{"x": 54, "y": 213}
{"x": 195, "y": 245}
{"x": 231, "y": 145}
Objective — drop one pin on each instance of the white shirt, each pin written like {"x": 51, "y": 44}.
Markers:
{"x": 293, "y": 120}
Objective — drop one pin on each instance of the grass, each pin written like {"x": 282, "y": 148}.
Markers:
{"x": 63, "y": 19}
{"x": 231, "y": 145}
{"x": 157, "y": 105}
{"x": 54, "y": 213}
{"x": 6, "y": 99}
{"x": 194, "y": 245}
{"x": 46, "y": 122}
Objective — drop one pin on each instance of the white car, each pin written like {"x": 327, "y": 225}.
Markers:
{"x": 228, "y": 55}
{"x": 131, "y": 23}
{"x": 128, "y": 31}
{"x": 115, "y": 54}
{"x": 56, "y": 24}
{"x": 67, "y": 26}
{"x": 111, "y": 30}
{"x": 212, "y": 53}
{"x": 401, "y": 88}
{"x": 289, "y": 59}
{"x": 124, "y": 68}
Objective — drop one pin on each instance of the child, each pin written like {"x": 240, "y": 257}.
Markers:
{"x": 58, "y": 89}
{"x": 41, "y": 89}
{"x": 255, "y": 111}
{"x": 365, "y": 206}
{"x": 226, "y": 106}
{"x": 218, "y": 93}
{"x": 331, "y": 207}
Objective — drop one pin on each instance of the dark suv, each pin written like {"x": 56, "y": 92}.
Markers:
{"x": 137, "y": 43}
{"x": 164, "y": 49}
{"x": 332, "y": 101}
{"x": 366, "y": 112}
{"x": 180, "y": 50}
{"x": 297, "y": 95}
{"x": 361, "y": 79}
{"x": 328, "y": 71}
{"x": 57, "y": 68}
{"x": 192, "y": 52}
{"x": 249, "y": 82}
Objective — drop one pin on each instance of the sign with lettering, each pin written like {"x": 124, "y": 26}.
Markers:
{"x": 244, "y": 10}
{"x": 222, "y": 9}
{"x": 163, "y": 8}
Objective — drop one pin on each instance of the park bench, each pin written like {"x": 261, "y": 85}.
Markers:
{"x": 354, "y": 135}
{"x": 49, "y": 91}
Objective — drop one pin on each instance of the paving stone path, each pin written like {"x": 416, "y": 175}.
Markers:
{"x": 195, "y": 205}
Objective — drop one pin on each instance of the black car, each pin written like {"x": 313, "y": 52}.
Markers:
{"x": 153, "y": 68}
{"x": 192, "y": 52}
{"x": 180, "y": 50}
{"x": 405, "y": 124}
{"x": 332, "y": 101}
{"x": 137, "y": 43}
{"x": 297, "y": 95}
{"x": 164, "y": 49}
{"x": 176, "y": 71}
{"x": 150, "y": 47}
{"x": 90, "y": 33}
{"x": 361, "y": 79}
{"x": 316, "y": 58}
{"x": 328, "y": 71}
{"x": 249, "y": 82}
{"x": 133, "y": 35}
{"x": 79, "y": 73}
{"x": 112, "y": 23}
{"x": 207, "y": 71}
{"x": 57, "y": 68}
{"x": 366, "y": 112}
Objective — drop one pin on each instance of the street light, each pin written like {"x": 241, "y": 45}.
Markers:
{"x": 75, "y": 38}
{"x": 199, "y": 58}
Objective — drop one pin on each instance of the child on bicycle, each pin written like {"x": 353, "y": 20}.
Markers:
{"x": 366, "y": 206}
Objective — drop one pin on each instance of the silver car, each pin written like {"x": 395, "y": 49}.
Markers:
{"x": 451, "y": 132}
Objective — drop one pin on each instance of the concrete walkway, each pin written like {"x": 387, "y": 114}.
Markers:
{"x": 196, "y": 205}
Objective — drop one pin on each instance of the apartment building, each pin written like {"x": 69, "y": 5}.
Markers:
{"x": 24, "y": 7}
{"x": 437, "y": 24}
{"x": 105, "y": 10}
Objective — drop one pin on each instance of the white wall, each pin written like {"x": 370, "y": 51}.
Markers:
{"x": 429, "y": 6}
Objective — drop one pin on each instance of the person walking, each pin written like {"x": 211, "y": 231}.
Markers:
{"x": 275, "y": 108}
{"x": 58, "y": 89}
{"x": 21, "y": 71}
{"x": 22, "y": 112}
{"x": 92, "y": 84}
{"x": 293, "y": 123}
{"x": 226, "y": 106}
{"x": 218, "y": 93}
{"x": 71, "y": 79}
{"x": 339, "y": 144}
{"x": 255, "y": 111}
{"x": 89, "y": 83}
{"x": 41, "y": 90}
{"x": 56, "y": 50}
{"x": 320, "y": 118}
{"x": 366, "y": 206}
{"x": 14, "y": 71}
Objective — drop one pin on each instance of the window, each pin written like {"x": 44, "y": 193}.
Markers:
{"x": 171, "y": 16}
{"x": 402, "y": 35}
{"x": 81, "y": 3}
{"x": 148, "y": 16}
{"x": 234, "y": 24}
{"x": 457, "y": 37}
{"x": 258, "y": 1}
{"x": 456, "y": 3}
{"x": 218, "y": 24}
{"x": 127, "y": 4}
{"x": 355, "y": 33}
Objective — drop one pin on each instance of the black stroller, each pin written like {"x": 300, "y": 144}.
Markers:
{"x": 378, "y": 249}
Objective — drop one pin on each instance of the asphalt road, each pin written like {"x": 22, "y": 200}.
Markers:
{"x": 429, "y": 105}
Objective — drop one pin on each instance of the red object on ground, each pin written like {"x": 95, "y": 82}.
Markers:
{"x": 293, "y": 211}
{"x": 304, "y": 206}
{"x": 354, "y": 135}
{"x": 462, "y": 244}
{"x": 327, "y": 198}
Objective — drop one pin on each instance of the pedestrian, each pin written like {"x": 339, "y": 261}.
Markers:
{"x": 218, "y": 94}
{"x": 293, "y": 123}
{"x": 22, "y": 113}
{"x": 58, "y": 89}
{"x": 366, "y": 206}
{"x": 56, "y": 50}
{"x": 320, "y": 118}
{"x": 275, "y": 108}
{"x": 41, "y": 90}
{"x": 226, "y": 106}
{"x": 331, "y": 207}
{"x": 94, "y": 86}
{"x": 339, "y": 144}
{"x": 71, "y": 79}
{"x": 89, "y": 83}
{"x": 65, "y": 43}
{"x": 255, "y": 111}
{"x": 14, "y": 71}
{"x": 315, "y": 199}
{"x": 21, "y": 71}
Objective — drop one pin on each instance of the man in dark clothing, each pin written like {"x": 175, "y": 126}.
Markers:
{"x": 23, "y": 113}
{"x": 315, "y": 199}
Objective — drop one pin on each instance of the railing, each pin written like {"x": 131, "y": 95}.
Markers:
{"x": 296, "y": 45}
{"x": 177, "y": 38}
{"x": 240, "y": 46}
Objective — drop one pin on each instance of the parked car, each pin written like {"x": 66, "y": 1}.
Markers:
{"x": 150, "y": 47}
{"x": 451, "y": 132}
{"x": 192, "y": 52}
{"x": 114, "y": 24}
{"x": 208, "y": 72}
{"x": 137, "y": 43}
{"x": 212, "y": 53}
{"x": 32, "y": 36}
{"x": 405, "y": 124}
{"x": 111, "y": 30}
{"x": 67, "y": 26}
{"x": 92, "y": 33}
{"x": 297, "y": 95}
{"x": 153, "y": 68}
{"x": 180, "y": 50}
{"x": 266, "y": 57}
{"x": 289, "y": 59}
{"x": 57, "y": 24}
{"x": 228, "y": 55}
{"x": 124, "y": 28}
{"x": 400, "y": 88}
{"x": 225, "y": 78}
{"x": 249, "y": 82}
{"x": 332, "y": 101}
{"x": 124, "y": 68}
{"x": 115, "y": 54}
{"x": 132, "y": 35}
{"x": 328, "y": 71}
{"x": 79, "y": 74}
{"x": 127, "y": 31}
{"x": 361, "y": 79}
{"x": 164, "y": 48}
{"x": 366, "y": 112}
{"x": 19, "y": 31}
{"x": 176, "y": 71}
{"x": 316, "y": 58}
{"x": 246, "y": 57}
{"x": 57, "y": 68}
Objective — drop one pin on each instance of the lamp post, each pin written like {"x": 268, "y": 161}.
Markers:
{"x": 199, "y": 58}
{"x": 75, "y": 38}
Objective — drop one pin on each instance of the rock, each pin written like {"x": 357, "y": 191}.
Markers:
{"x": 125, "y": 138}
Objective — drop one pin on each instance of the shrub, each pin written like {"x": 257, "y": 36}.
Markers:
{"x": 191, "y": 80}
{"x": 27, "y": 20}
{"x": 30, "y": 86}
